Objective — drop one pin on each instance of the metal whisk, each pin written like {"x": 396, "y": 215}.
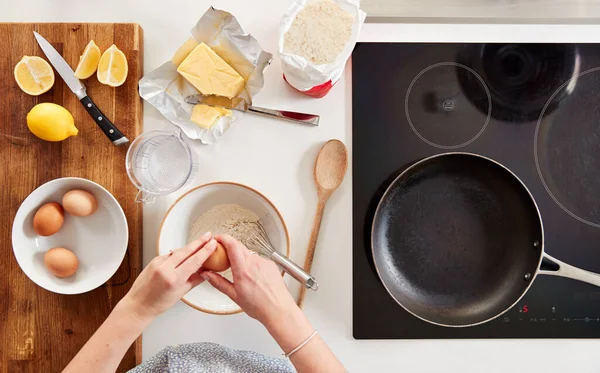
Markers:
{"x": 258, "y": 241}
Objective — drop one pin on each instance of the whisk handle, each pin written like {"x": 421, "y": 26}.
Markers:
{"x": 295, "y": 270}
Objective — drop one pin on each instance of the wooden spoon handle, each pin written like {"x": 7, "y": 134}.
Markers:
{"x": 312, "y": 243}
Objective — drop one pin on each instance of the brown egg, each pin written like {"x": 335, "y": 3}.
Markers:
{"x": 61, "y": 262}
{"x": 48, "y": 219}
{"x": 79, "y": 202}
{"x": 218, "y": 261}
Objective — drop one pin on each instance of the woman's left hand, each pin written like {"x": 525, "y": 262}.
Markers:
{"x": 167, "y": 278}
{"x": 160, "y": 285}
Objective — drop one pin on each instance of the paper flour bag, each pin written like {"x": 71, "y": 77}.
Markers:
{"x": 316, "y": 39}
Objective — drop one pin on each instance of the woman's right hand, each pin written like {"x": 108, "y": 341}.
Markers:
{"x": 258, "y": 287}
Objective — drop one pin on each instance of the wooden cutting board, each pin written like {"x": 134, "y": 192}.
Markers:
{"x": 41, "y": 331}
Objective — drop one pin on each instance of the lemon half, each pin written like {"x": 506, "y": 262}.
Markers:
{"x": 34, "y": 75}
{"x": 51, "y": 122}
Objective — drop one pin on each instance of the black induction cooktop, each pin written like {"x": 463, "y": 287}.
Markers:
{"x": 535, "y": 108}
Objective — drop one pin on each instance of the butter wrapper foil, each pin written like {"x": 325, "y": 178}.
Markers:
{"x": 166, "y": 90}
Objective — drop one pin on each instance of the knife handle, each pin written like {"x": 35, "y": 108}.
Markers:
{"x": 103, "y": 122}
{"x": 309, "y": 119}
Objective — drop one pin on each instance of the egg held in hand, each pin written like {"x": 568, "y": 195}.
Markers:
{"x": 78, "y": 202}
{"x": 48, "y": 219}
{"x": 61, "y": 262}
{"x": 218, "y": 261}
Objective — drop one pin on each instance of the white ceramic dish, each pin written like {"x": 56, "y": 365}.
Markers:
{"x": 175, "y": 229}
{"x": 99, "y": 241}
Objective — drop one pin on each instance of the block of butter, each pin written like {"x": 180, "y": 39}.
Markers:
{"x": 206, "y": 71}
{"x": 205, "y": 116}
{"x": 184, "y": 51}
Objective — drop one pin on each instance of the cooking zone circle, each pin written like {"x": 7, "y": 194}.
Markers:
{"x": 520, "y": 77}
{"x": 438, "y": 110}
{"x": 567, "y": 144}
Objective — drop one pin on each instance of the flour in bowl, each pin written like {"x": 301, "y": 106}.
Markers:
{"x": 319, "y": 32}
{"x": 225, "y": 219}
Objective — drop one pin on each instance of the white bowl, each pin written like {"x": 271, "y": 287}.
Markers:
{"x": 99, "y": 241}
{"x": 175, "y": 229}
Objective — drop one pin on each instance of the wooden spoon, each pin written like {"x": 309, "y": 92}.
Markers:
{"x": 330, "y": 169}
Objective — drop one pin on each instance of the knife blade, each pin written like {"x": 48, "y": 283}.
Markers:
{"x": 75, "y": 85}
{"x": 232, "y": 104}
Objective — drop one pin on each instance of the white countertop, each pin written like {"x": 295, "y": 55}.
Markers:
{"x": 277, "y": 159}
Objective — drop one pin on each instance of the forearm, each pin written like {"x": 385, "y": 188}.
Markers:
{"x": 290, "y": 331}
{"x": 106, "y": 348}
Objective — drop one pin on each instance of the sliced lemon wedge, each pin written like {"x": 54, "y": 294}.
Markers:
{"x": 112, "y": 68}
{"x": 88, "y": 62}
{"x": 34, "y": 75}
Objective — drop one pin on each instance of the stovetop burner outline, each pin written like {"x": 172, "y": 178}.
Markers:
{"x": 558, "y": 197}
{"x": 448, "y": 106}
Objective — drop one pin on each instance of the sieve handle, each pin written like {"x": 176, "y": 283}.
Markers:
{"x": 295, "y": 270}
{"x": 143, "y": 197}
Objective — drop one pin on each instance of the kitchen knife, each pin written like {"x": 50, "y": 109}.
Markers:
{"x": 292, "y": 116}
{"x": 75, "y": 85}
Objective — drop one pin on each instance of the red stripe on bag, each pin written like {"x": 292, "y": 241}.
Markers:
{"x": 317, "y": 91}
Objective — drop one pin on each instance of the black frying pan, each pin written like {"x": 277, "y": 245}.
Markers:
{"x": 457, "y": 240}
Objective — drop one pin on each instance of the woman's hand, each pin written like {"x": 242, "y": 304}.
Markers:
{"x": 257, "y": 287}
{"x": 167, "y": 278}
{"x": 162, "y": 283}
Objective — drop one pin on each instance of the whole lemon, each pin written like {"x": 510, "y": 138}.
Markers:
{"x": 51, "y": 122}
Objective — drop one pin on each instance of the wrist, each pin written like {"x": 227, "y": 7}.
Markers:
{"x": 128, "y": 313}
{"x": 289, "y": 329}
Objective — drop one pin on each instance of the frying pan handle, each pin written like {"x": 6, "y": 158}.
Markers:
{"x": 554, "y": 267}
